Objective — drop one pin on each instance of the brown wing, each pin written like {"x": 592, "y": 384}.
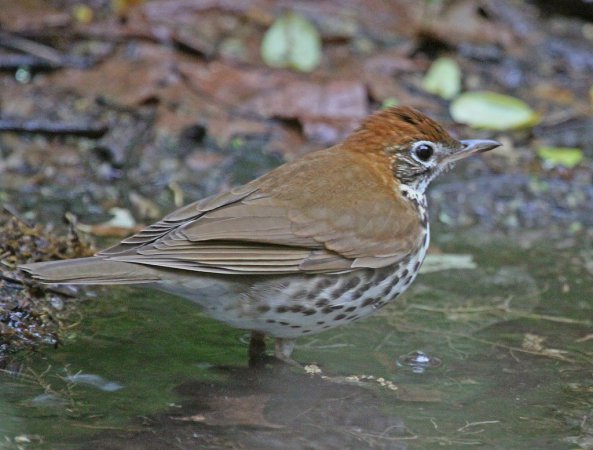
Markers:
{"x": 288, "y": 221}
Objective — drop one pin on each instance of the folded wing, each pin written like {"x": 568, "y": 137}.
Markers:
{"x": 266, "y": 228}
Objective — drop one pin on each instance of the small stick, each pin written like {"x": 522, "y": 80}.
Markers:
{"x": 54, "y": 128}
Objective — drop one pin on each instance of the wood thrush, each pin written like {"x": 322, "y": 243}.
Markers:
{"x": 315, "y": 243}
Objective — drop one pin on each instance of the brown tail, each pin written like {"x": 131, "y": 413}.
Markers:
{"x": 94, "y": 270}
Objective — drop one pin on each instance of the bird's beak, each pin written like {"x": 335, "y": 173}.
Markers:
{"x": 471, "y": 147}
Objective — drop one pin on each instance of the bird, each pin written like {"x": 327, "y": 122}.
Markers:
{"x": 318, "y": 242}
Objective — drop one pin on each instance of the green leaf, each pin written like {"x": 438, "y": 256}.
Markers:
{"x": 443, "y": 78}
{"x": 492, "y": 111}
{"x": 561, "y": 156}
{"x": 292, "y": 41}
{"x": 389, "y": 102}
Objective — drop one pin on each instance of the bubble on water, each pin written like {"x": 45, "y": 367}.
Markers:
{"x": 418, "y": 361}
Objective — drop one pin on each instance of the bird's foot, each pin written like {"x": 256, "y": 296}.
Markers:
{"x": 282, "y": 352}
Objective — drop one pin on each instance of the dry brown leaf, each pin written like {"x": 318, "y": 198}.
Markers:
{"x": 327, "y": 111}
{"x": 461, "y": 22}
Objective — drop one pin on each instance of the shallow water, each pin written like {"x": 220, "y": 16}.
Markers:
{"x": 508, "y": 359}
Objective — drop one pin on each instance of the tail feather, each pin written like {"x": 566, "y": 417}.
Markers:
{"x": 93, "y": 270}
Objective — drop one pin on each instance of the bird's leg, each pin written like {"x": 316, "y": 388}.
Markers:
{"x": 257, "y": 347}
{"x": 283, "y": 351}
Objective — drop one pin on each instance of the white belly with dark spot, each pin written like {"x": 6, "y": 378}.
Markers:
{"x": 293, "y": 306}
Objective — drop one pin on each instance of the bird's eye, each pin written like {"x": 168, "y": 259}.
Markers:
{"x": 424, "y": 152}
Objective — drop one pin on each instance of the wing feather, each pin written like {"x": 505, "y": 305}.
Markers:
{"x": 265, "y": 227}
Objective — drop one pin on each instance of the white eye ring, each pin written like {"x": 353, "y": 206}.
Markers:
{"x": 423, "y": 151}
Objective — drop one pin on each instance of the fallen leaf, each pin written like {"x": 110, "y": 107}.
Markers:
{"x": 389, "y": 102}
{"x": 327, "y": 111}
{"x": 224, "y": 128}
{"x": 292, "y": 42}
{"x": 32, "y": 15}
{"x": 463, "y": 22}
{"x": 121, "y": 218}
{"x": 443, "y": 78}
{"x": 561, "y": 156}
{"x": 492, "y": 111}
{"x": 121, "y": 225}
{"x": 125, "y": 79}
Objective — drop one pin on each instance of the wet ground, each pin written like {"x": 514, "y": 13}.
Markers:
{"x": 510, "y": 341}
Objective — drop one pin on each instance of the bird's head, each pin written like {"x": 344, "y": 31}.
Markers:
{"x": 417, "y": 147}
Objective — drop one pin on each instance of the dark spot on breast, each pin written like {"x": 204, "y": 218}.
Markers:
{"x": 352, "y": 317}
{"x": 284, "y": 323}
{"x": 409, "y": 279}
{"x": 387, "y": 290}
{"x": 296, "y": 308}
{"x": 350, "y": 284}
{"x": 309, "y": 312}
{"x": 339, "y": 316}
{"x": 270, "y": 321}
{"x": 327, "y": 310}
{"x": 295, "y": 326}
{"x": 325, "y": 282}
{"x": 321, "y": 322}
{"x": 299, "y": 295}
{"x": 360, "y": 291}
{"x": 377, "y": 276}
{"x": 425, "y": 239}
{"x": 416, "y": 266}
{"x": 352, "y": 308}
{"x": 306, "y": 331}
{"x": 336, "y": 307}
{"x": 263, "y": 308}
{"x": 312, "y": 295}
{"x": 369, "y": 301}
{"x": 281, "y": 309}
{"x": 322, "y": 302}
{"x": 326, "y": 326}
{"x": 405, "y": 273}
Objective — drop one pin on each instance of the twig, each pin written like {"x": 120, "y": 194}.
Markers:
{"x": 13, "y": 62}
{"x": 31, "y": 48}
{"x": 473, "y": 424}
{"x": 39, "y": 56}
{"x": 89, "y": 130}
